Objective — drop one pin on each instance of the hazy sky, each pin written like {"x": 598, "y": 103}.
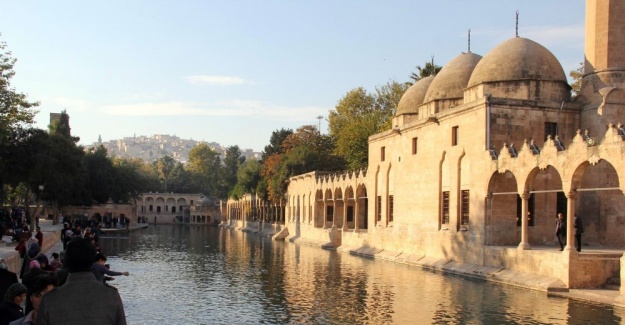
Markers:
{"x": 234, "y": 71}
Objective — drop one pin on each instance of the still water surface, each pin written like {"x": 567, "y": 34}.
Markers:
{"x": 206, "y": 275}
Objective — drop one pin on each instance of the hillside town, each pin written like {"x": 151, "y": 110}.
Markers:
{"x": 152, "y": 148}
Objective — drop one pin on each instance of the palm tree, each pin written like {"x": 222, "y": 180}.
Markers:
{"x": 429, "y": 69}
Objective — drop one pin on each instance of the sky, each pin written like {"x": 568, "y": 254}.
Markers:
{"x": 232, "y": 71}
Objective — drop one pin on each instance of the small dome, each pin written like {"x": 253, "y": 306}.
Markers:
{"x": 451, "y": 81}
{"x": 413, "y": 97}
{"x": 518, "y": 59}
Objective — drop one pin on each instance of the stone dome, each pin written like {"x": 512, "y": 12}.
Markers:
{"x": 517, "y": 59}
{"x": 413, "y": 97}
{"x": 451, "y": 81}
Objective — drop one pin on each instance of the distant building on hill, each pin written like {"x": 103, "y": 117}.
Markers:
{"x": 155, "y": 147}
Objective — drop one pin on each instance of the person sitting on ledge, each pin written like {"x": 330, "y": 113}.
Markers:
{"x": 99, "y": 268}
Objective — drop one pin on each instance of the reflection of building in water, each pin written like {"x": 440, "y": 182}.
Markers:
{"x": 175, "y": 208}
{"x": 475, "y": 148}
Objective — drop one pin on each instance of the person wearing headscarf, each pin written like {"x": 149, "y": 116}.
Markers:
{"x": 7, "y": 278}
{"x": 29, "y": 278}
{"x": 10, "y": 308}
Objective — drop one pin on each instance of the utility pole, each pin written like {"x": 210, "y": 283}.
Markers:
{"x": 320, "y": 117}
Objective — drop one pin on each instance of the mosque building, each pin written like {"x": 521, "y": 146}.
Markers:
{"x": 479, "y": 161}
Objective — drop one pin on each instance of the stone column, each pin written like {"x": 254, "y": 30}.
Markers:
{"x": 324, "y": 213}
{"x": 356, "y": 213}
{"x": 345, "y": 204}
{"x": 524, "y": 245}
{"x": 570, "y": 219}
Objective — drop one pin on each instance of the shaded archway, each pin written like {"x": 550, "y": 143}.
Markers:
{"x": 339, "y": 206}
{"x": 545, "y": 187}
{"x": 319, "y": 209}
{"x": 350, "y": 203}
{"x": 600, "y": 204}
{"x": 501, "y": 214}
{"x": 362, "y": 206}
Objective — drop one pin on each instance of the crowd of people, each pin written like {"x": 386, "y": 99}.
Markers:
{"x": 47, "y": 292}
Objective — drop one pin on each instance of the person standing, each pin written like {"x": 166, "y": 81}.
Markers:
{"x": 39, "y": 237}
{"x": 99, "y": 303}
{"x": 10, "y": 308}
{"x": 579, "y": 230}
{"x": 42, "y": 285}
{"x": 7, "y": 278}
{"x": 561, "y": 230}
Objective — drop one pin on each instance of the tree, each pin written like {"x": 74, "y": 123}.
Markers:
{"x": 275, "y": 142}
{"x": 204, "y": 166}
{"x": 577, "y": 75}
{"x": 228, "y": 174}
{"x": 15, "y": 109}
{"x": 305, "y": 150}
{"x": 358, "y": 115}
{"x": 164, "y": 166}
{"x": 180, "y": 180}
{"x": 429, "y": 69}
{"x": 248, "y": 177}
{"x": 61, "y": 127}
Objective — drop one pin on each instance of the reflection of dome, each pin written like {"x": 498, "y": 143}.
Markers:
{"x": 517, "y": 59}
{"x": 413, "y": 97}
{"x": 451, "y": 81}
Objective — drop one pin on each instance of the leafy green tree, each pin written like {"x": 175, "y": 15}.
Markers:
{"x": 275, "y": 142}
{"x": 248, "y": 177}
{"x": 128, "y": 181}
{"x": 360, "y": 114}
{"x": 164, "y": 166}
{"x": 100, "y": 175}
{"x": 62, "y": 128}
{"x": 204, "y": 165}
{"x": 180, "y": 180}
{"x": 305, "y": 150}
{"x": 429, "y": 69}
{"x": 228, "y": 174}
{"x": 577, "y": 75}
{"x": 16, "y": 111}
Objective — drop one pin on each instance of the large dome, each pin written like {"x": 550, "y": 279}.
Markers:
{"x": 451, "y": 81}
{"x": 517, "y": 59}
{"x": 413, "y": 97}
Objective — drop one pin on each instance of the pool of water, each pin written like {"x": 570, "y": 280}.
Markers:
{"x": 206, "y": 275}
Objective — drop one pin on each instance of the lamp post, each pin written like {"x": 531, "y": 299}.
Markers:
{"x": 320, "y": 117}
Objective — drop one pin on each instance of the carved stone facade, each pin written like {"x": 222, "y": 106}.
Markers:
{"x": 177, "y": 208}
{"x": 480, "y": 160}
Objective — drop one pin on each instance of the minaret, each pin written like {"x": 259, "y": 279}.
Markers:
{"x": 603, "y": 83}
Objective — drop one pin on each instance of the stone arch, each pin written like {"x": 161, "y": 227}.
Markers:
{"x": 350, "y": 204}
{"x": 319, "y": 209}
{"x": 379, "y": 183}
{"x": 328, "y": 199}
{"x": 600, "y": 203}
{"x": 389, "y": 198}
{"x": 339, "y": 207}
{"x": 546, "y": 188}
{"x": 361, "y": 219}
{"x": 501, "y": 217}
{"x": 444, "y": 192}
{"x": 463, "y": 188}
